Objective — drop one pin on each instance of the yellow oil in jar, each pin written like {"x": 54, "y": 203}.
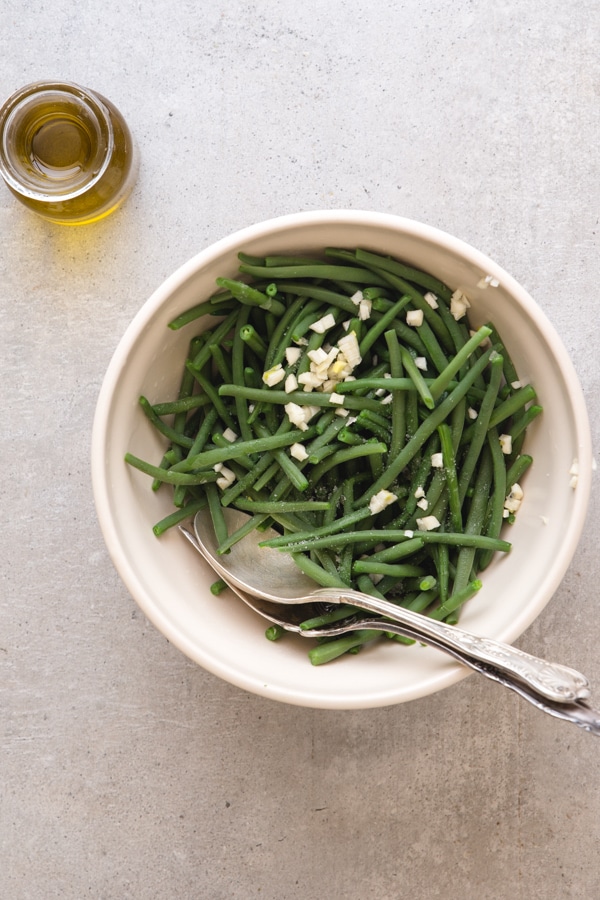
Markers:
{"x": 66, "y": 153}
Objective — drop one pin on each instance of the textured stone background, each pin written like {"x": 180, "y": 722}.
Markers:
{"x": 126, "y": 771}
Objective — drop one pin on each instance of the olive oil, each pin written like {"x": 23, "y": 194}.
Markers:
{"x": 66, "y": 152}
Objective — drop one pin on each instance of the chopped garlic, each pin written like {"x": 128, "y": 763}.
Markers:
{"x": 409, "y": 533}
{"x": 516, "y": 385}
{"x": 297, "y": 415}
{"x": 459, "y": 304}
{"x": 379, "y": 502}
{"x": 357, "y": 298}
{"x": 230, "y": 435}
{"x": 428, "y": 523}
{"x": 293, "y": 354}
{"x": 364, "y": 310}
{"x": 414, "y": 317}
{"x": 506, "y": 444}
{"x": 342, "y": 411}
{"x": 310, "y": 380}
{"x": 387, "y": 399}
{"x": 338, "y": 399}
{"x": 421, "y": 363}
{"x": 274, "y": 375}
{"x": 291, "y": 383}
{"x": 437, "y": 460}
{"x": 431, "y": 299}
{"x": 419, "y": 492}
{"x": 423, "y": 503}
{"x": 488, "y": 281}
{"x": 324, "y": 324}
{"x": 299, "y": 452}
{"x": 514, "y": 499}
{"x": 226, "y": 476}
{"x": 348, "y": 345}
{"x": 472, "y": 413}
{"x": 516, "y": 491}
{"x": 317, "y": 356}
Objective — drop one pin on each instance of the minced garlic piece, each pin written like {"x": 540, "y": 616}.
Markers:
{"x": 293, "y": 354}
{"x": 514, "y": 499}
{"x": 274, "y": 375}
{"x": 323, "y": 324}
{"x": 291, "y": 383}
{"x": 380, "y": 500}
{"x": 226, "y": 476}
{"x": 428, "y": 523}
{"x": 459, "y": 305}
{"x": 299, "y": 452}
{"x": 414, "y": 317}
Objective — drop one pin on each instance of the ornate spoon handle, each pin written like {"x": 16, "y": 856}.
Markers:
{"x": 578, "y": 712}
{"x": 553, "y": 681}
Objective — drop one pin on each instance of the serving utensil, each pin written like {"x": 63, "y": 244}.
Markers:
{"x": 288, "y": 617}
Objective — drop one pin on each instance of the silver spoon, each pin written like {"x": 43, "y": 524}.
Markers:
{"x": 289, "y": 616}
{"x": 282, "y": 582}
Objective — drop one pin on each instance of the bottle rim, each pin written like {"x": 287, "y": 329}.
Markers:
{"x": 26, "y": 180}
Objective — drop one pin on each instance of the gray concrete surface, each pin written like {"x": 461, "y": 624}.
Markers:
{"x": 126, "y": 771}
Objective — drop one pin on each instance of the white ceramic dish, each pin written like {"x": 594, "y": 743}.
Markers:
{"x": 171, "y": 583}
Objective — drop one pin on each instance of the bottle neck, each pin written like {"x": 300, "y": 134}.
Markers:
{"x": 56, "y": 141}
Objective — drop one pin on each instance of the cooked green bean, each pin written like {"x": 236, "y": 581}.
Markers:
{"x": 346, "y": 401}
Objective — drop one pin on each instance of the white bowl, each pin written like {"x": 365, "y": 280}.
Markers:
{"x": 170, "y": 582}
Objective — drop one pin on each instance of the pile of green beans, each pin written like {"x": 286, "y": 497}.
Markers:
{"x": 431, "y": 420}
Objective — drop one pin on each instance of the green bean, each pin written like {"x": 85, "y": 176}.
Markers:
{"x": 449, "y": 460}
{"x": 376, "y": 330}
{"x": 207, "y": 458}
{"x": 216, "y": 512}
{"x": 274, "y": 632}
{"x": 475, "y": 519}
{"x": 518, "y": 469}
{"x": 482, "y": 423}
{"x": 320, "y": 270}
{"x": 250, "y": 296}
{"x": 201, "y": 309}
{"x": 407, "y": 272}
{"x": 173, "y": 435}
{"x": 172, "y": 455}
{"x": 417, "y": 379}
{"x": 441, "y": 382}
{"x": 512, "y": 404}
{"x": 168, "y": 475}
{"x": 249, "y": 334}
{"x": 398, "y": 402}
{"x": 184, "y": 405}
{"x": 331, "y": 650}
{"x": 496, "y": 501}
{"x": 269, "y": 506}
{"x": 180, "y": 515}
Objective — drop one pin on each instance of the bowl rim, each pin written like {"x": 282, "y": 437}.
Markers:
{"x": 182, "y": 274}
